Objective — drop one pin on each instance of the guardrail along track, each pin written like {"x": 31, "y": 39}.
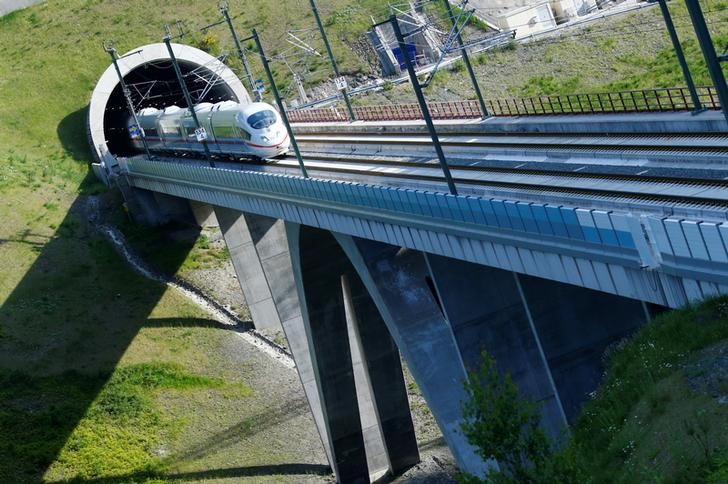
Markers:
{"x": 672, "y": 99}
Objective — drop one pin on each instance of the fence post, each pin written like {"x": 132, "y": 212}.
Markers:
{"x": 680, "y": 55}
{"x": 423, "y": 104}
{"x": 711, "y": 58}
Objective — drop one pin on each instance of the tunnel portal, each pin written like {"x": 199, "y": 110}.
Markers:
{"x": 149, "y": 75}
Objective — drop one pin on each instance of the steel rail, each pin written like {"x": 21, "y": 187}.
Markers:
{"x": 689, "y": 142}
{"x": 583, "y": 174}
{"x": 597, "y": 142}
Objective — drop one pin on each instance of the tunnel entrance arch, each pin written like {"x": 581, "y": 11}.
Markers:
{"x": 149, "y": 69}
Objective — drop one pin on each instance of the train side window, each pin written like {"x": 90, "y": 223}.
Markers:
{"x": 243, "y": 134}
{"x": 151, "y": 132}
{"x": 224, "y": 132}
{"x": 169, "y": 131}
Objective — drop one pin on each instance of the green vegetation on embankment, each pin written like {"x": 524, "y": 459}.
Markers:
{"x": 631, "y": 51}
{"x": 104, "y": 375}
{"x": 661, "y": 415}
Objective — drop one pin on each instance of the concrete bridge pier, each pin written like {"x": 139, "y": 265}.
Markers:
{"x": 443, "y": 313}
{"x": 154, "y": 208}
{"x": 349, "y": 367}
{"x": 550, "y": 336}
{"x": 142, "y": 204}
{"x": 355, "y": 361}
{"x": 400, "y": 285}
{"x": 260, "y": 254}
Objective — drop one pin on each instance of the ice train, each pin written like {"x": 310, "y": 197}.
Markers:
{"x": 231, "y": 129}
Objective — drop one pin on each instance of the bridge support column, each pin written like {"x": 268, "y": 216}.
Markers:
{"x": 397, "y": 280}
{"x": 550, "y": 336}
{"x": 443, "y": 312}
{"x": 487, "y": 311}
{"x": 355, "y": 361}
{"x": 576, "y": 326}
{"x": 259, "y": 250}
{"x": 204, "y": 214}
{"x": 174, "y": 208}
{"x": 151, "y": 208}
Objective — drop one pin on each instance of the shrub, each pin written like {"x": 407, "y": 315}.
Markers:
{"x": 504, "y": 426}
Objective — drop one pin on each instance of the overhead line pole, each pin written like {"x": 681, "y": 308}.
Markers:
{"x": 331, "y": 57}
{"x": 423, "y": 104}
{"x": 241, "y": 52}
{"x": 711, "y": 58}
{"x": 483, "y": 109}
{"x": 697, "y": 105}
{"x": 127, "y": 94}
{"x": 282, "y": 108}
{"x": 168, "y": 42}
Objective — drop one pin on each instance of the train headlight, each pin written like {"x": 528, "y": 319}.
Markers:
{"x": 265, "y": 139}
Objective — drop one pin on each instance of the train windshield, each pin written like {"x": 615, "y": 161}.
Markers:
{"x": 262, "y": 119}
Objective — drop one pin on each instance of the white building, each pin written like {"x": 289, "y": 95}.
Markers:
{"x": 565, "y": 10}
{"x": 528, "y": 20}
{"x": 528, "y": 17}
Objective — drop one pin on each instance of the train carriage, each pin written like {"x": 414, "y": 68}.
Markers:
{"x": 253, "y": 130}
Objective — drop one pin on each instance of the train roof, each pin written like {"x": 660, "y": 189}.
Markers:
{"x": 252, "y": 108}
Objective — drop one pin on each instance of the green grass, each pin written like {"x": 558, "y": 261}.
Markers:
{"x": 163, "y": 250}
{"x": 104, "y": 375}
{"x": 88, "y": 348}
{"x": 122, "y": 429}
{"x": 646, "y": 422}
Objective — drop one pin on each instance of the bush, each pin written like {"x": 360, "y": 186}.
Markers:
{"x": 504, "y": 426}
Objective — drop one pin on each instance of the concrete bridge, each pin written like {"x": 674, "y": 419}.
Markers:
{"x": 360, "y": 266}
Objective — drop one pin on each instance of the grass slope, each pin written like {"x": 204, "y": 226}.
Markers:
{"x": 105, "y": 376}
{"x": 631, "y": 51}
{"x": 660, "y": 415}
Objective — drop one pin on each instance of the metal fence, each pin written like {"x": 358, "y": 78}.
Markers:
{"x": 648, "y": 100}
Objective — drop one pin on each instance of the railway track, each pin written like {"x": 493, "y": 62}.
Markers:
{"x": 676, "y": 169}
{"x": 671, "y": 168}
{"x": 708, "y": 193}
{"x": 684, "y": 144}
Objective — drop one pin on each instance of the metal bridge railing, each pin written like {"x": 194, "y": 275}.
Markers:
{"x": 647, "y": 100}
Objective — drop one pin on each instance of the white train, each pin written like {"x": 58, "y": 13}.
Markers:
{"x": 252, "y": 130}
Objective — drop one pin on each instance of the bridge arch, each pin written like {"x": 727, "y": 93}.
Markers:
{"x": 149, "y": 68}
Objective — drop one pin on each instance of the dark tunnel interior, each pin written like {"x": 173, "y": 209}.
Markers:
{"x": 155, "y": 85}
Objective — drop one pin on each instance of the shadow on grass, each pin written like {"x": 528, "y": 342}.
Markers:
{"x": 228, "y": 473}
{"x": 197, "y": 323}
{"x": 71, "y": 132}
{"x": 27, "y": 237}
{"x": 245, "y": 429}
{"x": 63, "y": 330}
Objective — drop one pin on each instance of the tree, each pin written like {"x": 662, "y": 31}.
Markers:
{"x": 504, "y": 426}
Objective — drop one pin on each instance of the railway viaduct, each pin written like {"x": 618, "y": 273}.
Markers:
{"x": 553, "y": 249}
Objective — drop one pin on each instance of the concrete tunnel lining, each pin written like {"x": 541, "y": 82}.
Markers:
{"x": 189, "y": 58}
